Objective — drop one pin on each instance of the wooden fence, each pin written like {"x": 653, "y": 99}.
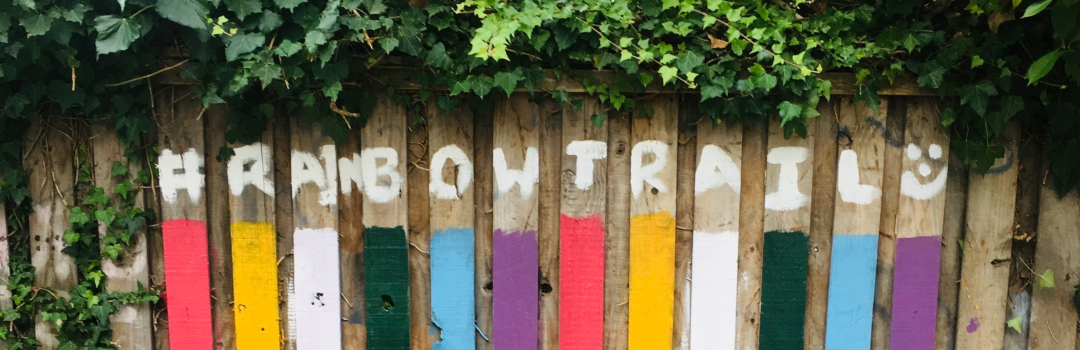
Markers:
{"x": 526, "y": 226}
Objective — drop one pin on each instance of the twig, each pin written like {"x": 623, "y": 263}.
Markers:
{"x": 166, "y": 69}
{"x": 346, "y": 300}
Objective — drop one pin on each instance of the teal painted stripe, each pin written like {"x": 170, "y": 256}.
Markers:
{"x": 452, "y": 298}
{"x": 852, "y": 278}
{"x": 386, "y": 287}
{"x": 783, "y": 290}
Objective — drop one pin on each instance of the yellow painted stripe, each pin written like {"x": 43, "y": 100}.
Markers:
{"x": 255, "y": 287}
{"x": 652, "y": 280}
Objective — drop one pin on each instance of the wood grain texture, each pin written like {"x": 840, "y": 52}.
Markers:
{"x": 822, "y": 195}
{"x": 951, "y": 253}
{"x": 1030, "y": 155}
{"x": 50, "y": 173}
{"x": 789, "y": 213}
{"x": 617, "y": 240}
{"x": 893, "y": 131}
{"x": 984, "y": 282}
{"x": 549, "y": 220}
{"x": 453, "y": 241}
{"x": 751, "y": 235}
{"x": 284, "y": 230}
{"x": 652, "y": 228}
{"x": 351, "y": 228}
{"x": 484, "y": 195}
{"x": 684, "y": 218}
{"x": 131, "y": 324}
{"x": 218, "y": 213}
{"x": 1053, "y": 322}
{"x": 863, "y": 140}
{"x": 422, "y": 329}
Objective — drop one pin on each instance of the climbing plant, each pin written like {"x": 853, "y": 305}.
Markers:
{"x": 992, "y": 61}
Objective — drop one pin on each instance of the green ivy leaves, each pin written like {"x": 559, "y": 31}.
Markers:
{"x": 115, "y": 34}
{"x": 188, "y": 13}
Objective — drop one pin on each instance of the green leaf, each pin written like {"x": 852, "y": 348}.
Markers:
{"x": 933, "y": 79}
{"x": 35, "y": 25}
{"x": 507, "y": 81}
{"x": 1042, "y": 66}
{"x": 115, "y": 34}
{"x": 119, "y": 169}
{"x": 243, "y": 8}
{"x": 1016, "y": 323}
{"x": 688, "y": 61}
{"x": 437, "y": 57}
{"x": 1035, "y": 8}
{"x": 106, "y": 216}
{"x": 188, "y": 13}
{"x": 287, "y": 48}
{"x": 1046, "y": 280}
{"x": 78, "y": 216}
{"x": 598, "y": 119}
{"x": 948, "y": 117}
{"x": 289, "y": 4}
{"x": 240, "y": 44}
{"x": 667, "y": 73}
{"x": 388, "y": 44}
{"x": 269, "y": 21}
{"x": 976, "y": 61}
{"x": 977, "y": 96}
{"x": 789, "y": 111}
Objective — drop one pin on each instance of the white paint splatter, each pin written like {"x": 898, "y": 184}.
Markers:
{"x": 438, "y": 187}
{"x": 911, "y": 187}
{"x": 847, "y": 181}
{"x": 190, "y": 178}
{"x": 376, "y": 191}
{"x": 715, "y": 170}
{"x": 934, "y": 151}
{"x": 924, "y": 169}
{"x": 527, "y": 177}
{"x": 587, "y": 152}
{"x": 787, "y": 196}
{"x": 249, "y": 166}
{"x": 913, "y": 151}
{"x": 351, "y": 173}
{"x": 641, "y": 174}
{"x": 307, "y": 169}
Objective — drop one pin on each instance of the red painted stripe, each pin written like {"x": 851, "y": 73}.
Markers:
{"x": 581, "y": 280}
{"x": 187, "y": 273}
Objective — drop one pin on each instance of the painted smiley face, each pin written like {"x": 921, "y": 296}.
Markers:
{"x": 912, "y": 185}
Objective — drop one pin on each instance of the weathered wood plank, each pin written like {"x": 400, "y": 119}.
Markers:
{"x": 284, "y": 231}
{"x": 516, "y": 164}
{"x": 50, "y": 173}
{"x": 822, "y": 198}
{"x": 350, "y": 215}
{"x": 420, "y": 234}
{"x": 218, "y": 215}
{"x": 919, "y": 224}
{"x": 984, "y": 279}
{"x": 785, "y": 255}
{"x": 617, "y": 237}
{"x": 684, "y": 218}
{"x": 484, "y": 195}
{"x": 5, "y": 266}
{"x": 548, "y": 222}
{"x": 892, "y": 130}
{"x": 751, "y": 235}
{"x": 131, "y": 324}
{"x": 717, "y": 186}
{"x": 653, "y": 162}
{"x": 584, "y": 192}
{"x": 1053, "y": 319}
{"x": 951, "y": 235}
{"x": 1029, "y": 154}
{"x": 856, "y": 223}
{"x": 386, "y": 270}
{"x": 453, "y": 238}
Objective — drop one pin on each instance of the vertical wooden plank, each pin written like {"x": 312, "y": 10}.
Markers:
{"x": 548, "y": 222}
{"x": 315, "y": 295}
{"x": 893, "y": 132}
{"x": 856, "y": 223}
{"x": 386, "y": 269}
{"x": 130, "y": 323}
{"x": 717, "y": 185}
{"x": 218, "y": 214}
{"x": 484, "y": 196}
{"x": 785, "y": 255}
{"x": 951, "y": 235}
{"x": 919, "y": 221}
{"x": 653, "y": 161}
{"x": 283, "y": 231}
{"x": 1029, "y": 154}
{"x": 422, "y": 329}
{"x": 684, "y": 218}
{"x": 581, "y": 245}
{"x": 351, "y": 227}
{"x": 453, "y": 238}
{"x": 50, "y": 173}
{"x": 5, "y": 267}
{"x": 254, "y": 245}
{"x": 984, "y": 283}
{"x": 822, "y": 197}
{"x": 617, "y": 238}
{"x": 1053, "y": 319}
{"x": 516, "y": 163}
{"x": 751, "y": 235}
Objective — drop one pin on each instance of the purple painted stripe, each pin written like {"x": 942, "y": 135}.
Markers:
{"x": 516, "y": 294}
{"x": 918, "y": 262}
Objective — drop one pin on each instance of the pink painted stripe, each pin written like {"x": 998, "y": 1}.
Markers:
{"x": 187, "y": 273}
{"x": 914, "y": 313}
{"x": 581, "y": 266}
{"x": 515, "y": 289}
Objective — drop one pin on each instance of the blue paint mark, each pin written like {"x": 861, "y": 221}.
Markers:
{"x": 452, "y": 299}
{"x": 851, "y": 291}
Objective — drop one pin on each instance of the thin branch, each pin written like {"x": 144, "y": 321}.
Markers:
{"x": 166, "y": 69}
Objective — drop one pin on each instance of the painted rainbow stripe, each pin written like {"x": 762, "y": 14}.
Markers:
{"x": 652, "y": 280}
{"x": 386, "y": 287}
{"x": 852, "y": 279}
{"x": 317, "y": 289}
{"x": 452, "y": 277}
{"x": 581, "y": 266}
{"x": 516, "y": 294}
{"x": 914, "y": 313}
{"x": 785, "y": 257}
{"x": 255, "y": 292}
{"x": 713, "y": 307}
{"x": 188, "y": 272}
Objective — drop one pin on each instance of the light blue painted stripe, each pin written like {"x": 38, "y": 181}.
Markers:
{"x": 452, "y": 306}
{"x": 851, "y": 292}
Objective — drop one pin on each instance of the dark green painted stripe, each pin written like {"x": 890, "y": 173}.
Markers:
{"x": 783, "y": 290}
{"x": 386, "y": 286}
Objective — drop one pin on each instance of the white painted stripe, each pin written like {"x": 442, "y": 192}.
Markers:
{"x": 317, "y": 299}
{"x": 713, "y": 291}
